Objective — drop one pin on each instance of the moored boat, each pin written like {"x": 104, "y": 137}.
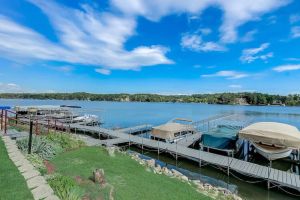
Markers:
{"x": 173, "y": 131}
{"x": 272, "y": 152}
{"x": 271, "y": 139}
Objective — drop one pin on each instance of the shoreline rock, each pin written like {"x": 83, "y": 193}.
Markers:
{"x": 204, "y": 188}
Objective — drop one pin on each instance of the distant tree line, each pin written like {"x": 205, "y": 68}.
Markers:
{"x": 218, "y": 98}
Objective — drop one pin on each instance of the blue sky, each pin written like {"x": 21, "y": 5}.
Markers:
{"x": 141, "y": 46}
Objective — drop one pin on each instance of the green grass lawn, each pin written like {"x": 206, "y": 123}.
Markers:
{"x": 130, "y": 180}
{"x": 12, "y": 183}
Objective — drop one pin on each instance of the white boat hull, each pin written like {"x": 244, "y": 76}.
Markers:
{"x": 272, "y": 154}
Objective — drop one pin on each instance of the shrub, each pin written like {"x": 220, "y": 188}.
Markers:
{"x": 66, "y": 141}
{"x": 37, "y": 162}
{"x": 65, "y": 187}
{"x": 41, "y": 146}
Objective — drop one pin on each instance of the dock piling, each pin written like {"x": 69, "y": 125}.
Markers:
{"x": 142, "y": 145}
{"x": 158, "y": 149}
{"x": 228, "y": 167}
{"x": 176, "y": 154}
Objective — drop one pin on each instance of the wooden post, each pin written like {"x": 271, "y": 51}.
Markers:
{"x": 228, "y": 172}
{"x": 55, "y": 125}
{"x": 36, "y": 127}
{"x": 5, "y": 122}
{"x": 158, "y": 149}
{"x": 176, "y": 154}
{"x": 200, "y": 162}
{"x": 48, "y": 126}
{"x": 30, "y": 138}
{"x": 2, "y": 119}
{"x": 129, "y": 138}
{"x": 16, "y": 118}
{"x": 142, "y": 145}
{"x": 268, "y": 177}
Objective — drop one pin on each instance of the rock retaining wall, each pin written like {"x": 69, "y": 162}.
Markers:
{"x": 204, "y": 188}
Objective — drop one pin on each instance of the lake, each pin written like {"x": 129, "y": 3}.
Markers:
{"x": 126, "y": 114}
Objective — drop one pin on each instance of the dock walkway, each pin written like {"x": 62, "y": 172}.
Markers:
{"x": 271, "y": 175}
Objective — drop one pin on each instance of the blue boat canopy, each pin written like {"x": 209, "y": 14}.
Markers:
{"x": 5, "y": 107}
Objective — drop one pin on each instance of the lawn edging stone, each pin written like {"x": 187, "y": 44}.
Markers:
{"x": 35, "y": 182}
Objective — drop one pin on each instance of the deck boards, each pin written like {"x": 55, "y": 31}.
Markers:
{"x": 246, "y": 168}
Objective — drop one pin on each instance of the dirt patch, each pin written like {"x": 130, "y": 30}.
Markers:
{"x": 50, "y": 168}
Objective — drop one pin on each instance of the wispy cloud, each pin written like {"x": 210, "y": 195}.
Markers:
{"x": 195, "y": 42}
{"x": 10, "y": 87}
{"x": 235, "y": 86}
{"x": 86, "y": 37}
{"x": 197, "y": 66}
{"x": 227, "y": 74}
{"x": 249, "y": 36}
{"x": 295, "y": 31}
{"x": 64, "y": 69}
{"x": 234, "y": 14}
{"x": 103, "y": 71}
{"x": 292, "y": 59}
{"x": 283, "y": 68}
{"x": 252, "y": 54}
{"x": 272, "y": 19}
{"x": 294, "y": 18}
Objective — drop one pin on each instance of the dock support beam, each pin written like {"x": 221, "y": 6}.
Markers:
{"x": 228, "y": 167}
{"x": 200, "y": 162}
{"x": 269, "y": 171}
{"x": 176, "y": 154}
{"x": 142, "y": 145}
{"x": 5, "y": 122}
{"x": 129, "y": 140}
{"x": 2, "y": 120}
{"x": 158, "y": 149}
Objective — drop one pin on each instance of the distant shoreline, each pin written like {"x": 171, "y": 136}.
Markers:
{"x": 243, "y": 99}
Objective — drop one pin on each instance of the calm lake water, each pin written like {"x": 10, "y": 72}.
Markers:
{"x": 126, "y": 114}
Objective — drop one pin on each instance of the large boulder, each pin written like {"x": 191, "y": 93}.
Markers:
{"x": 99, "y": 177}
{"x": 151, "y": 163}
{"x": 176, "y": 173}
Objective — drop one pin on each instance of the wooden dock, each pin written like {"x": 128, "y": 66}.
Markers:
{"x": 271, "y": 175}
{"x": 274, "y": 176}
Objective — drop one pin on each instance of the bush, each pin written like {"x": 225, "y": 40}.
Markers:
{"x": 65, "y": 187}
{"x": 41, "y": 146}
{"x": 37, "y": 162}
{"x": 66, "y": 141}
{"x": 49, "y": 146}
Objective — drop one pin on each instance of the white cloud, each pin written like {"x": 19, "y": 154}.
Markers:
{"x": 295, "y": 32}
{"x": 197, "y": 66}
{"x": 292, "y": 59}
{"x": 235, "y": 86}
{"x": 283, "y": 68}
{"x": 227, "y": 74}
{"x": 272, "y": 19}
{"x": 252, "y": 54}
{"x": 86, "y": 37}
{"x": 235, "y": 12}
{"x": 294, "y": 18}
{"x": 103, "y": 71}
{"x": 65, "y": 69}
{"x": 249, "y": 36}
{"x": 10, "y": 87}
{"x": 205, "y": 31}
{"x": 194, "y": 42}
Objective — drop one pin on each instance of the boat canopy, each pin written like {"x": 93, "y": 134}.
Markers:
{"x": 4, "y": 107}
{"x": 272, "y": 133}
{"x": 39, "y": 108}
{"x": 171, "y": 130}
